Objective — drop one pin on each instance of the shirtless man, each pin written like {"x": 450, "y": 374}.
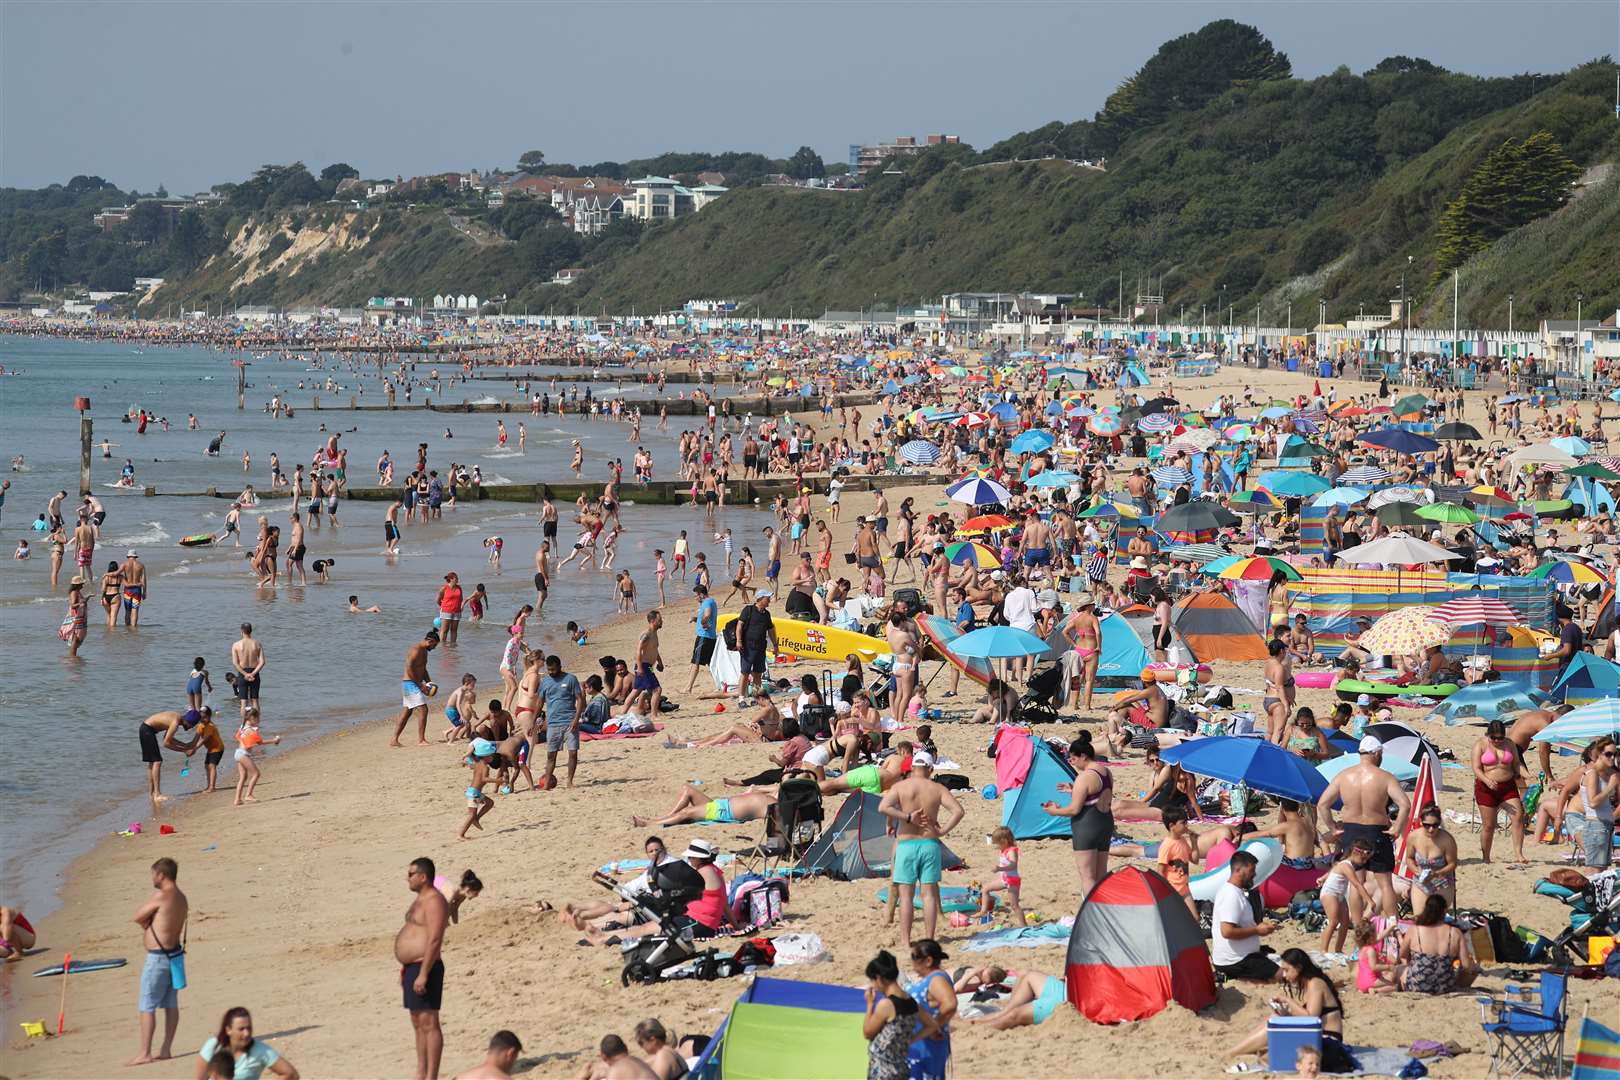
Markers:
{"x": 504, "y": 1049}
{"x": 162, "y": 920}
{"x": 247, "y": 655}
{"x": 1366, "y": 790}
{"x": 417, "y": 947}
{"x": 615, "y": 1063}
{"x": 1035, "y": 546}
{"x": 867, "y": 557}
{"x": 157, "y": 731}
{"x": 84, "y": 543}
{"x": 916, "y": 804}
{"x": 1524, "y": 730}
{"x": 133, "y": 575}
{"x": 1152, "y": 710}
{"x": 694, "y": 804}
{"x": 413, "y": 691}
{"x": 773, "y": 560}
{"x": 295, "y": 549}
{"x": 53, "y": 510}
{"x": 903, "y": 638}
{"x": 649, "y": 659}
{"x": 391, "y": 527}
{"x": 542, "y": 569}
{"x": 1084, "y": 634}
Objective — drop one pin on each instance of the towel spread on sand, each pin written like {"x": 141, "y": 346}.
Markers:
{"x": 1020, "y": 937}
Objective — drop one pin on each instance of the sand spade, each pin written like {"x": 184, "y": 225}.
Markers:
{"x": 61, "y": 1013}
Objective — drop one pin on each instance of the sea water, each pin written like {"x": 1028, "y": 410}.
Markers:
{"x": 72, "y": 761}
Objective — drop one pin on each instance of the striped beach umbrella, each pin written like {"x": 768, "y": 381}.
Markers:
{"x": 1257, "y": 568}
{"x": 1172, "y": 475}
{"x": 1255, "y": 502}
{"x": 919, "y": 452}
{"x": 1110, "y": 510}
{"x": 967, "y": 553}
{"x": 1194, "y": 441}
{"x": 1568, "y": 572}
{"x": 1199, "y": 553}
{"x": 1477, "y": 610}
{"x": 971, "y": 420}
{"x": 1107, "y": 424}
{"x": 1365, "y": 474}
{"x": 978, "y": 491}
{"x": 1156, "y": 423}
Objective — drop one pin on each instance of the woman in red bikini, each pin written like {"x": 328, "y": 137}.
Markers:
{"x": 16, "y": 935}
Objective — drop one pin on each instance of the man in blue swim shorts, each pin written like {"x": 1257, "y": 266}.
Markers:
{"x": 925, "y": 811}
{"x": 414, "y": 688}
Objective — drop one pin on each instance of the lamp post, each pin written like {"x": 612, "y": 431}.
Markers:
{"x": 1510, "y": 313}
{"x": 1406, "y": 310}
{"x": 1579, "y": 296}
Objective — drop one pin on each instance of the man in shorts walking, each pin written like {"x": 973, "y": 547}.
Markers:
{"x": 564, "y": 701}
{"x": 917, "y": 803}
{"x": 416, "y": 687}
{"x": 705, "y": 636}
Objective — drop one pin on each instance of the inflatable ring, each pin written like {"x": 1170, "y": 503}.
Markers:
{"x": 1315, "y": 680}
{"x": 1270, "y": 853}
{"x": 1350, "y": 689}
{"x": 1167, "y": 673}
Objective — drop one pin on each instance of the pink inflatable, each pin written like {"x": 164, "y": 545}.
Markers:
{"x": 1278, "y": 889}
{"x": 1316, "y": 680}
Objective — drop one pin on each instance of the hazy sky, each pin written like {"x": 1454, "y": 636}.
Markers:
{"x": 191, "y": 94}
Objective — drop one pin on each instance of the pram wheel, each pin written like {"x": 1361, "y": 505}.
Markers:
{"x": 636, "y": 971}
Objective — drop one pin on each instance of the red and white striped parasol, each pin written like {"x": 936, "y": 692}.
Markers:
{"x": 1472, "y": 610}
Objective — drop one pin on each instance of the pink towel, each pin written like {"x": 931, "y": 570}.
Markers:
{"x": 1014, "y": 754}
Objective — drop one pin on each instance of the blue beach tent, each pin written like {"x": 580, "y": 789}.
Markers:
{"x": 1588, "y": 678}
{"x": 1021, "y": 807}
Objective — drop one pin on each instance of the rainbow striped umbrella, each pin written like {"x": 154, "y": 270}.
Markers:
{"x": 1567, "y": 571}
{"x": 967, "y": 553}
{"x": 1110, "y": 510}
{"x": 1107, "y": 424}
{"x": 1154, "y": 423}
{"x": 1257, "y": 568}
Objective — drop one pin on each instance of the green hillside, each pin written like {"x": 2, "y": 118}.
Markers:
{"x": 1225, "y": 181}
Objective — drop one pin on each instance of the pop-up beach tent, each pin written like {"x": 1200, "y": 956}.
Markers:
{"x": 781, "y": 1027}
{"x": 1123, "y": 653}
{"x": 1028, "y": 771}
{"x": 1588, "y": 678}
{"x": 1134, "y": 949}
{"x": 1215, "y": 628}
{"x": 858, "y": 843}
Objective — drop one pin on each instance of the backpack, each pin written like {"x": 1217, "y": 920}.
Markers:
{"x": 730, "y": 631}
{"x": 755, "y": 952}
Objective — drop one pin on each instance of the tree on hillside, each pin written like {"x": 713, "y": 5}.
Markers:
{"x": 1515, "y": 184}
{"x": 337, "y": 172}
{"x": 1187, "y": 73}
{"x": 1404, "y": 65}
{"x": 806, "y": 164}
{"x": 146, "y": 223}
{"x": 81, "y": 185}
{"x": 530, "y": 160}
{"x": 189, "y": 244}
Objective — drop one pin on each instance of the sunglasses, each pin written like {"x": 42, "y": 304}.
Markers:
{"x": 1431, "y": 824}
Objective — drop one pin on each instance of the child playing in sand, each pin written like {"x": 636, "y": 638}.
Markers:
{"x": 493, "y": 543}
{"x": 461, "y": 709}
{"x": 1007, "y": 871}
{"x": 576, "y": 634}
{"x": 477, "y": 603}
{"x": 198, "y": 684}
{"x": 1374, "y": 974}
{"x": 248, "y": 739}
{"x": 1349, "y": 872}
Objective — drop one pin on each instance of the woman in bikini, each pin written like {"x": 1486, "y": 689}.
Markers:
{"x": 1090, "y": 810}
{"x": 1497, "y": 767}
{"x": 112, "y": 590}
{"x": 1305, "y": 738}
{"x": 1313, "y": 994}
{"x": 1172, "y": 788}
{"x": 1278, "y": 699}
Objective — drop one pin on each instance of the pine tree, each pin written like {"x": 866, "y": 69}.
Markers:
{"x": 1515, "y": 184}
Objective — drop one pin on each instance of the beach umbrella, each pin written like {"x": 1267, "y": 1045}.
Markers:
{"x": 1274, "y": 412}
{"x": 1110, "y": 510}
{"x": 1485, "y": 495}
{"x": 1194, "y": 420}
{"x": 1567, "y": 572}
{"x": 1447, "y": 514}
{"x": 987, "y": 521}
{"x": 1294, "y": 484}
{"x": 1107, "y": 424}
{"x": 977, "y": 491}
{"x": 1004, "y": 411}
{"x": 1403, "y": 632}
{"x": 1573, "y": 445}
{"x": 998, "y": 642}
{"x": 1365, "y": 474}
{"x": 967, "y": 553}
{"x": 1080, "y": 412}
{"x": 1554, "y": 508}
{"x": 1476, "y": 609}
{"x": 1171, "y": 475}
{"x": 1400, "y": 770}
{"x": 1593, "y": 471}
{"x": 1256, "y": 568}
{"x": 1403, "y": 744}
{"x": 1195, "y": 440}
{"x": 1159, "y": 405}
{"x": 1339, "y": 496}
{"x": 1033, "y": 441}
{"x": 1298, "y": 447}
{"x": 1457, "y": 432}
{"x": 919, "y": 452}
{"x": 971, "y": 420}
{"x": 1207, "y": 554}
{"x": 1054, "y": 408}
{"x": 943, "y": 634}
{"x": 1198, "y": 516}
{"x": 891, "y": 388}
{"x": 1588, "y": 722}
{"x": 1260, "y": 765}
{"x": 1396, "y": 548}
{"x": 1156, "y": 423}
{"x": 1052, "y": 478}
{"x": 1488, "y": 701}
{"x": 1411, "y": 404}
{"x": 1543, "y": 454}
{"x": 1255, "y": 502}
{"x": 1399, "y": 440}
{"x": 1238, "y": 432}
{"x": 1400, "y": 515}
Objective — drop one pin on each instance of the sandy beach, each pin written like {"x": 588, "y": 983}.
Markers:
{"x": 295, "y": 900}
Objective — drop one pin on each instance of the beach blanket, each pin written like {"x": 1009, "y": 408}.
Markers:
{"x": 586, "y": 736}
{"x": 1019, "y": 937}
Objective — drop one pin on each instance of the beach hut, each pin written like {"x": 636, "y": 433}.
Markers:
{"x": 1214, "y": 628}
{"x": 1028, "y": 771}
{"x": 858, "y": 843}
{"x": 1134, "y": 949}
{"x": 816, "y": 1026}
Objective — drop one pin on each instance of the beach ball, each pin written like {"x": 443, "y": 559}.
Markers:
{"x": 430, "y": 689}
{"x": 547, "y": 783}
{"x": 990, "y": 791}
{"x": 959, "y": 919}
{"x": 438, "y": 623}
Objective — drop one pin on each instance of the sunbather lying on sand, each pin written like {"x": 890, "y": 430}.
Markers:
{"x": 695, "y": 805}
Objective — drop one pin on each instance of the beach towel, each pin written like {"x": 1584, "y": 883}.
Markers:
{"x": 586, "y": 736}
{"x": 1020, "y": 937}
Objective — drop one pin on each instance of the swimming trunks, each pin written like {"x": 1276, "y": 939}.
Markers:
{"x": 1038, "y": 557}
{"x": 150, "y": 750}
{"x": 1383, "y": 858}
{"x": 132, "y": 595}
{"x": 918, "y": 861}
{"x": 452, "y": 714}
{"x": 1053, "y": 994}
{"x": 645, "y": 678}
{"x": 411, "y": 694}
{"x": 247, "y": 688}
{"x": 157, "y": 982}
{"x": 719, "y": 811}
{"x": 432, "y": 995}
{"x": 865, "y": 778}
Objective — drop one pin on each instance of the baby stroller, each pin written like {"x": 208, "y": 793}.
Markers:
{"x": 672, "y": 952}
{"x": 1594, "y": 909}
{"x": 1043, "y": 697}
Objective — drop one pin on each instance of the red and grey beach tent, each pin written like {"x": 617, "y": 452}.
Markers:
{"x": 1134, "y": 949}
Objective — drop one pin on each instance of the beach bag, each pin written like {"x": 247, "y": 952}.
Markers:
{"x": 756, "y": 902}
{"x": 1505, "y": 942}
{"x": 755, "y": 952}
{"x": 1566, "y": 878}
{"x": 729, "y": 633}
{"x": 1217, "y": 697}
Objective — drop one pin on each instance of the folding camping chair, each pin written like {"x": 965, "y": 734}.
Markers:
{"x": 792, "y": 826}
{"x": 1527, "y": 1034}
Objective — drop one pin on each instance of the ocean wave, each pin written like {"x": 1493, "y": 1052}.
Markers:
{"x": 155, "y": 533}
{"x": 485, "y": 400}
{"x": 182, "y": 569}
{"x": 497, "y": 478}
